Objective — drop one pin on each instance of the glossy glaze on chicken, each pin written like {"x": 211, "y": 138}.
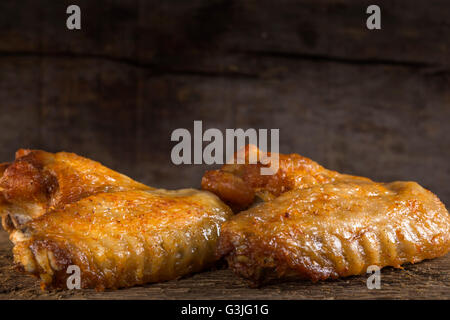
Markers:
{"x": 318, "y": 224}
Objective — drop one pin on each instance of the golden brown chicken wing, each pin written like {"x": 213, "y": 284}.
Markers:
{"x": 326, "y": 225}
{"x": 239, "y": 184}
{"x": 39, "y": 181}
{"x": 121, "y": 239}
{"x": 64, "y": 210}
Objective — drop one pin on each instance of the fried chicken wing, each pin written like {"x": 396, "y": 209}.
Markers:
{"x": 320, "y": 224}
{"x": 39, "y": 181}
{"x": 121, "y": 239}
{"x": 239, "y": 184}
{"x": 63, "y": 210}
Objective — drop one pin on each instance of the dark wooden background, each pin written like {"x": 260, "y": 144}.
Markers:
{"x": 374, "y": 103}
{"x": 371, "y": 103}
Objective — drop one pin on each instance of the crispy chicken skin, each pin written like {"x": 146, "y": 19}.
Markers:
{"x": 327, "y": 225}
{"x": 240, "y": 184}
{"x": 39, "y": 181}
{"x": 62, "y": 209}
{"x": 121, "y": 239}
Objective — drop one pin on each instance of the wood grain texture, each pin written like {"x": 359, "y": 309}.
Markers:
{"x": 426, "y": 280}
{"x": 165, "y": 34}
{"x": 368, "y": 103}
{"x": 386, "y": 123}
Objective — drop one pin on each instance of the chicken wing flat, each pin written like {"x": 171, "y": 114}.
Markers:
{"x": 327, "y": 225}
{"x": 39, "y": 181}
{"x": 122, "y": 239}
{"x": 64, "y": 210}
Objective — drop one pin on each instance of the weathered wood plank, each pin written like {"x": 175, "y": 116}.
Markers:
{"x": 20, "y": 96}
{"x": 388, "y": 123}
{"x": 171, "y": 33}
{"x": 93, "y": 103}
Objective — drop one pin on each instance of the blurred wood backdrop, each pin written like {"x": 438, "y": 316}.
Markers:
{"x": 372, "y": 103}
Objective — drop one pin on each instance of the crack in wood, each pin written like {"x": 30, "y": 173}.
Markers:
{"x": 336, "y": 59}
{"x": 431, "y": 69}
{"x": 154, "y": 68}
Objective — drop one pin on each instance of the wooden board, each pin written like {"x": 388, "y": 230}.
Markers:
{"x": 426, "y": 280}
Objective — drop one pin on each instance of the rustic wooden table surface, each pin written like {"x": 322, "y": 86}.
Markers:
{"x": 426, "y": 280}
